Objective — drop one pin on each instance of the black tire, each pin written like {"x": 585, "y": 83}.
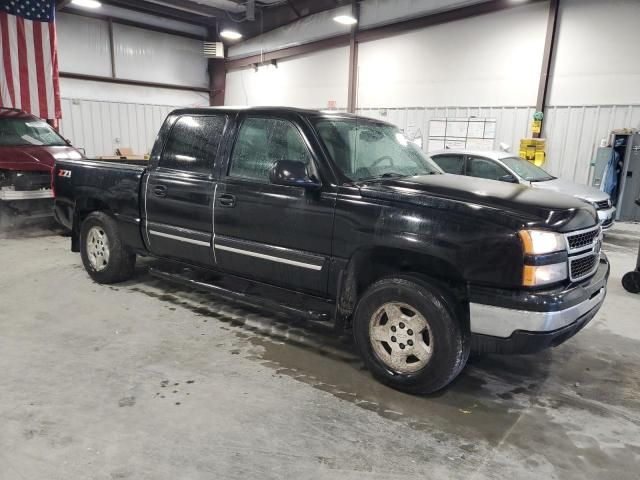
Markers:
{"x": 121, "y": 262}
{"x": 450, "y": 340}
{"x": 631, "y": 282}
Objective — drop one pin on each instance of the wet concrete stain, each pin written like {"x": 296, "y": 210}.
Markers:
{"x": 522, "y": 400}
{"x": 127, "y": 402}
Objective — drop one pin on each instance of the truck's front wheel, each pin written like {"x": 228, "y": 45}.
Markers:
{"x": 409, "y": 335}
{"x": 105, "y": 257}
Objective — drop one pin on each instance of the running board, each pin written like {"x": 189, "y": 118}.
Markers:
{"x": 244, "y": 298}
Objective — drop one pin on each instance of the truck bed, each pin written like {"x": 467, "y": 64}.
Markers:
{"x": 84, "y": 185}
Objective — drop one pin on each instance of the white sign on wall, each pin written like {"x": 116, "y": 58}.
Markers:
{"x": 458, "y": 133}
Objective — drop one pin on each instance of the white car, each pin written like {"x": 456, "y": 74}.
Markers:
{"x": 507, "y": 167}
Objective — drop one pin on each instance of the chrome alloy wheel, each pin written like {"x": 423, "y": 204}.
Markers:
{"x": 401, "y": 337}
{"x": 98, "y": 248}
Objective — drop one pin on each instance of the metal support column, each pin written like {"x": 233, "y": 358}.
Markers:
{"x": 353, "y": 60}
{"x": 547, "y": 60}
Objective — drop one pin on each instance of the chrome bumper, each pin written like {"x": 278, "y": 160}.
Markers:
{"x": 503, "y": 322}
{"x": 12, "y": 195}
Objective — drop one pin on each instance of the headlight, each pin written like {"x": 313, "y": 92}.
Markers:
{"x": 535, "y": 276}
{"x": 539, "y": 242}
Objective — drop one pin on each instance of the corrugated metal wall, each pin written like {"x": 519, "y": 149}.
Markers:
{"x": 100, "y": 127}
{"x": 573, "y": 133}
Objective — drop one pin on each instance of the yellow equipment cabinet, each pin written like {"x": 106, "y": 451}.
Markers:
{"x": 533, "y": 149}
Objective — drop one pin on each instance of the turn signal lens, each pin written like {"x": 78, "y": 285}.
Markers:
{"x": 539, "y": 242}
{"x": 535, "y": 276}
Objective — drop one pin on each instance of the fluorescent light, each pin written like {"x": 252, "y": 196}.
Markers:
{"x": 87, "y": 3}
{"x": 230, "y": 34}
{"x": 345, "y": 19}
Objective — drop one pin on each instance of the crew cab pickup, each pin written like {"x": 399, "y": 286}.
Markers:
{"x": 343, "y": 221}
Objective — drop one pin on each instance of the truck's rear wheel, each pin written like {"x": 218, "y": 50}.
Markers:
{"x": 104, "y": 256}
{"x": 409, "y": 334}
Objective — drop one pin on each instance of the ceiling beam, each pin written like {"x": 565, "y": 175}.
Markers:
{"x": 377, "y": 33}
{"x": 190, "y": 6}
{"x": 161, "y": 11}
{"x": 60, "y": 4}
{"x": 283, "y": 13}
{"x": 137, "y": 83}
{"x": 131, "y": 23}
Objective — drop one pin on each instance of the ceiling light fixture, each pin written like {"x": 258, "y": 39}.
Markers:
{"x": 230, "y": 34}
{"x": 87, "y": 3}
{"x": 345, "y": 19}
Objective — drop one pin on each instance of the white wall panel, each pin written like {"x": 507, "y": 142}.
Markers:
{"x": 596, "y": 60}
{"x": 83, "y": 45}
{"x": 486, "y": 60}
{"x": 308, "y": 81}
{"x": 573, "y": 133}
{"x": 512, "y": 123}
{"x": 100, "y": 127}
{"x": 158, "y": 57}
{"x": 113, "y": 92}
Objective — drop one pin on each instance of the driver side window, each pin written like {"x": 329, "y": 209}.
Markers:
{"x": 485, "y": 168}
{"x": 263, "y": 141}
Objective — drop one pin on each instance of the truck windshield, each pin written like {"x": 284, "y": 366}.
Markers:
{"x": 526, "y": 170}
{"x": 21, "y": 131}
{"x": 366, "y": 150}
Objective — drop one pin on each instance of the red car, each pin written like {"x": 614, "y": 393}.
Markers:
{"x": 29, "y": 148}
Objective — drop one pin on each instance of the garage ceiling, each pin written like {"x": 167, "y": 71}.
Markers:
{"x": 269, "y": 14}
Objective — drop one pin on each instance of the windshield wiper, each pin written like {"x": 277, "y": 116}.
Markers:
{"x": 384, "y": 175}
{"x": 395, "y": 175}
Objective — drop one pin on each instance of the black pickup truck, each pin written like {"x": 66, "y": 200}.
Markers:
{"x": 343, "y": 221}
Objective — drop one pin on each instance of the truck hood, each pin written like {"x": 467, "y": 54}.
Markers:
{"x": 34, "y": 157}
{"x": 574, "y": 189}
{"x": 526, "y": 205}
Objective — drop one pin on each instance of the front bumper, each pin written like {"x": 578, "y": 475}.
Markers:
{"x": 524, "y": 322}
{"x": 607, "y": 217}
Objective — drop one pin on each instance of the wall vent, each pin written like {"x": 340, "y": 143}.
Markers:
{"x": 213, "y": 50}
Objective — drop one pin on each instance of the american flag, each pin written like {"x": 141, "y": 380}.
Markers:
{"x": 29, "y": 58}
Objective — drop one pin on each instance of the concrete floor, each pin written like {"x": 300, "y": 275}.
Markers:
{"x": 148, "y": 381}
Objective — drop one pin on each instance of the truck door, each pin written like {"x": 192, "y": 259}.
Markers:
{"x": 273, "y": 233}
{"x": 179, "y": 190}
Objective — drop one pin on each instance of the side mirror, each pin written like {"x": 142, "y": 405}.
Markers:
{"x": 292, "y": 173}
{"x": 508, "y": 178}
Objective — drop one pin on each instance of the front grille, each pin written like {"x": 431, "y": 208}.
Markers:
{"x": 603, "y": 205}
{"x": 583, "y": 265}
{"x": 583, "y": 239}
{"x": 24, "y": 181}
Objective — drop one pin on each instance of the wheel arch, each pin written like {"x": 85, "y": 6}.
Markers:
{"x": 366, "y": 266}
{"x": 83, "y": 207}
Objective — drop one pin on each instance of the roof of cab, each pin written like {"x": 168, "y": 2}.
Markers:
{"x": 272, "y": 111}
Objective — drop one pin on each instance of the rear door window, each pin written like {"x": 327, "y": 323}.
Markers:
{"x": 193, "y": 143}
{"x": 450, "y": 163}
